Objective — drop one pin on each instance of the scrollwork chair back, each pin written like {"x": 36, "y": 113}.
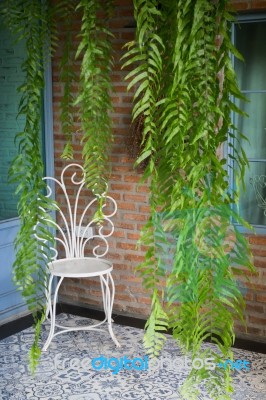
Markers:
{"x": 74, "y": 220}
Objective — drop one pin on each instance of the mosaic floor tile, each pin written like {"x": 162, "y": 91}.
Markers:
{"x": 65, "y": 371}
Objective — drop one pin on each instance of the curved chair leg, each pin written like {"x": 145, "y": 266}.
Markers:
{"x": 108, "y": 299}
{"x": 52, "y": 316}
{"x": 104, "y": 297}
{"x": 48, "y": 293}
{"x": 112, "y": 291}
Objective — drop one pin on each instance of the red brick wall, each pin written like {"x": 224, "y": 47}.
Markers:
{"x": 249, "y": 5}
{"x": 132, "y": 201}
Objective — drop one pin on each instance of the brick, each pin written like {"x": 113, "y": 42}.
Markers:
{"x": 135, "y": 258}
{"x": 118, "y": 24}
{"x": 248, "y": 296}
{"x": 123, "y": 3}
{"x": 90, "y": 282}
{"x": 144, "y": 209}
{"x": 260, "y": 262}
{"x": 135, "y": 217}
{"x": 126, "y": 160}
{"x": 254, "y": 331}
{"x": 240, "y": 328}
{"x": 250, "y": 308}
{"x": 114, "y": 256}
{"x": 143, "y": 189}
{"x": 119, "y": 234}
{"x": 126, "y": 246}
{"x": 134, "y": 279}
{"x": 257, "y": 320}
{"x": 239, "y": 6}
{"x": 116, "y": 196}
{"x": 125, "y": 225}
{"x": 131, "y": 178}
{"x": 134, "y": 197}
{"x": 144, "y": 300}
{"x": 122, "y": 168}
{"x": 121, "y": 187}
{"x": 256, "y": 286}
{"x": 139, "y": 310}
{"x": 258, "y": 5}
{"x": 133, "y": 236}
{"x": 126, "y": 206}
{"x": 119, "y": 140}
{"x": 84, "y": 300}
{"x": 261, "y": 298}
{"x": 258, "y": 250}
{"x": 124, "y": 297}
{"x": 128, "y": 36}
{"x": 257, "y": 240}
{"x": 122, "y": 267}
{"x": 125, "y": 12}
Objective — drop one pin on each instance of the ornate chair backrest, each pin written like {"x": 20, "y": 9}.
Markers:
{"x": 72, "y": 223}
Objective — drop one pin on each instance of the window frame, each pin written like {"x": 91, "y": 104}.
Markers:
{"x": 245, "y": 18}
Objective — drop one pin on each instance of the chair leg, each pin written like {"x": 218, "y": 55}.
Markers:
{"x": 104, "y": 297}
{"x": 108, "y": 300}
{"x": 48, "y": 297}
{"x": 52, "y": 316}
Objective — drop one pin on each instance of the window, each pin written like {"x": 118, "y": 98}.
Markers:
{"x": 249, "y": 38}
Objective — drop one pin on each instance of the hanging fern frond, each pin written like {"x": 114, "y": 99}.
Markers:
{"x": 156, "y": 327}
{"x": 183, "y": 92}
{"x": 36, "y": 22}
{"x": 94, "y": 98}
{"x": 68, "y": 76}
{"x": 146, "y": 51}
{"x": 29, "y": 21}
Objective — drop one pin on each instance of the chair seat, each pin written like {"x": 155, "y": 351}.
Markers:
{"x": 80, "y": 267}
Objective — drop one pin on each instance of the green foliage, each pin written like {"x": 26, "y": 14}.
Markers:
{"x": 35, "y": 351}
{"x": 184, "y": 82}
{"x": 30, "y": 21}
{"x": 156, "y": 324}
{"x": 68, "y": 77}
{"x": 94, "y": 96}
{"x": 35, "y": 22}
{"x": 218, "y": 382}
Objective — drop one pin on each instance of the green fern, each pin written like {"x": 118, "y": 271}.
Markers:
{"x": 68, "y": 76}
{"x": 186, "y": 105}
{"x": 29, "y": 21}
{"x": 94, "y": 97}
{"x": 156, "y": 327}
{"x": 36, "y": 22}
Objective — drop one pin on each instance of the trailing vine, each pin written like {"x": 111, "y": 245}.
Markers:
{"x": 36, "y": 22}
{"x": 184, "y": 83}
{"x": 94, "y": 99}
{"x": 29, "y": 21}
{"x": 68, "y": 76}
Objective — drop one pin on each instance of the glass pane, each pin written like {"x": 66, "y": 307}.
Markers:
{"x": 250, "y": 42}
{"x": 254, "y": 126}
{"x": 11, "y": 76}
{"x": 253, "y": 202}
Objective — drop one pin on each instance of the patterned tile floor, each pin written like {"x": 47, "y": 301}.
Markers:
{"x": 65, "y": 371}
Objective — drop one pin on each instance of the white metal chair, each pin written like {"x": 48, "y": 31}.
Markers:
{"x": 74, "y": 233}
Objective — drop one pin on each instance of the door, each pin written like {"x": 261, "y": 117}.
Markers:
{"x": 11, "y": 76}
